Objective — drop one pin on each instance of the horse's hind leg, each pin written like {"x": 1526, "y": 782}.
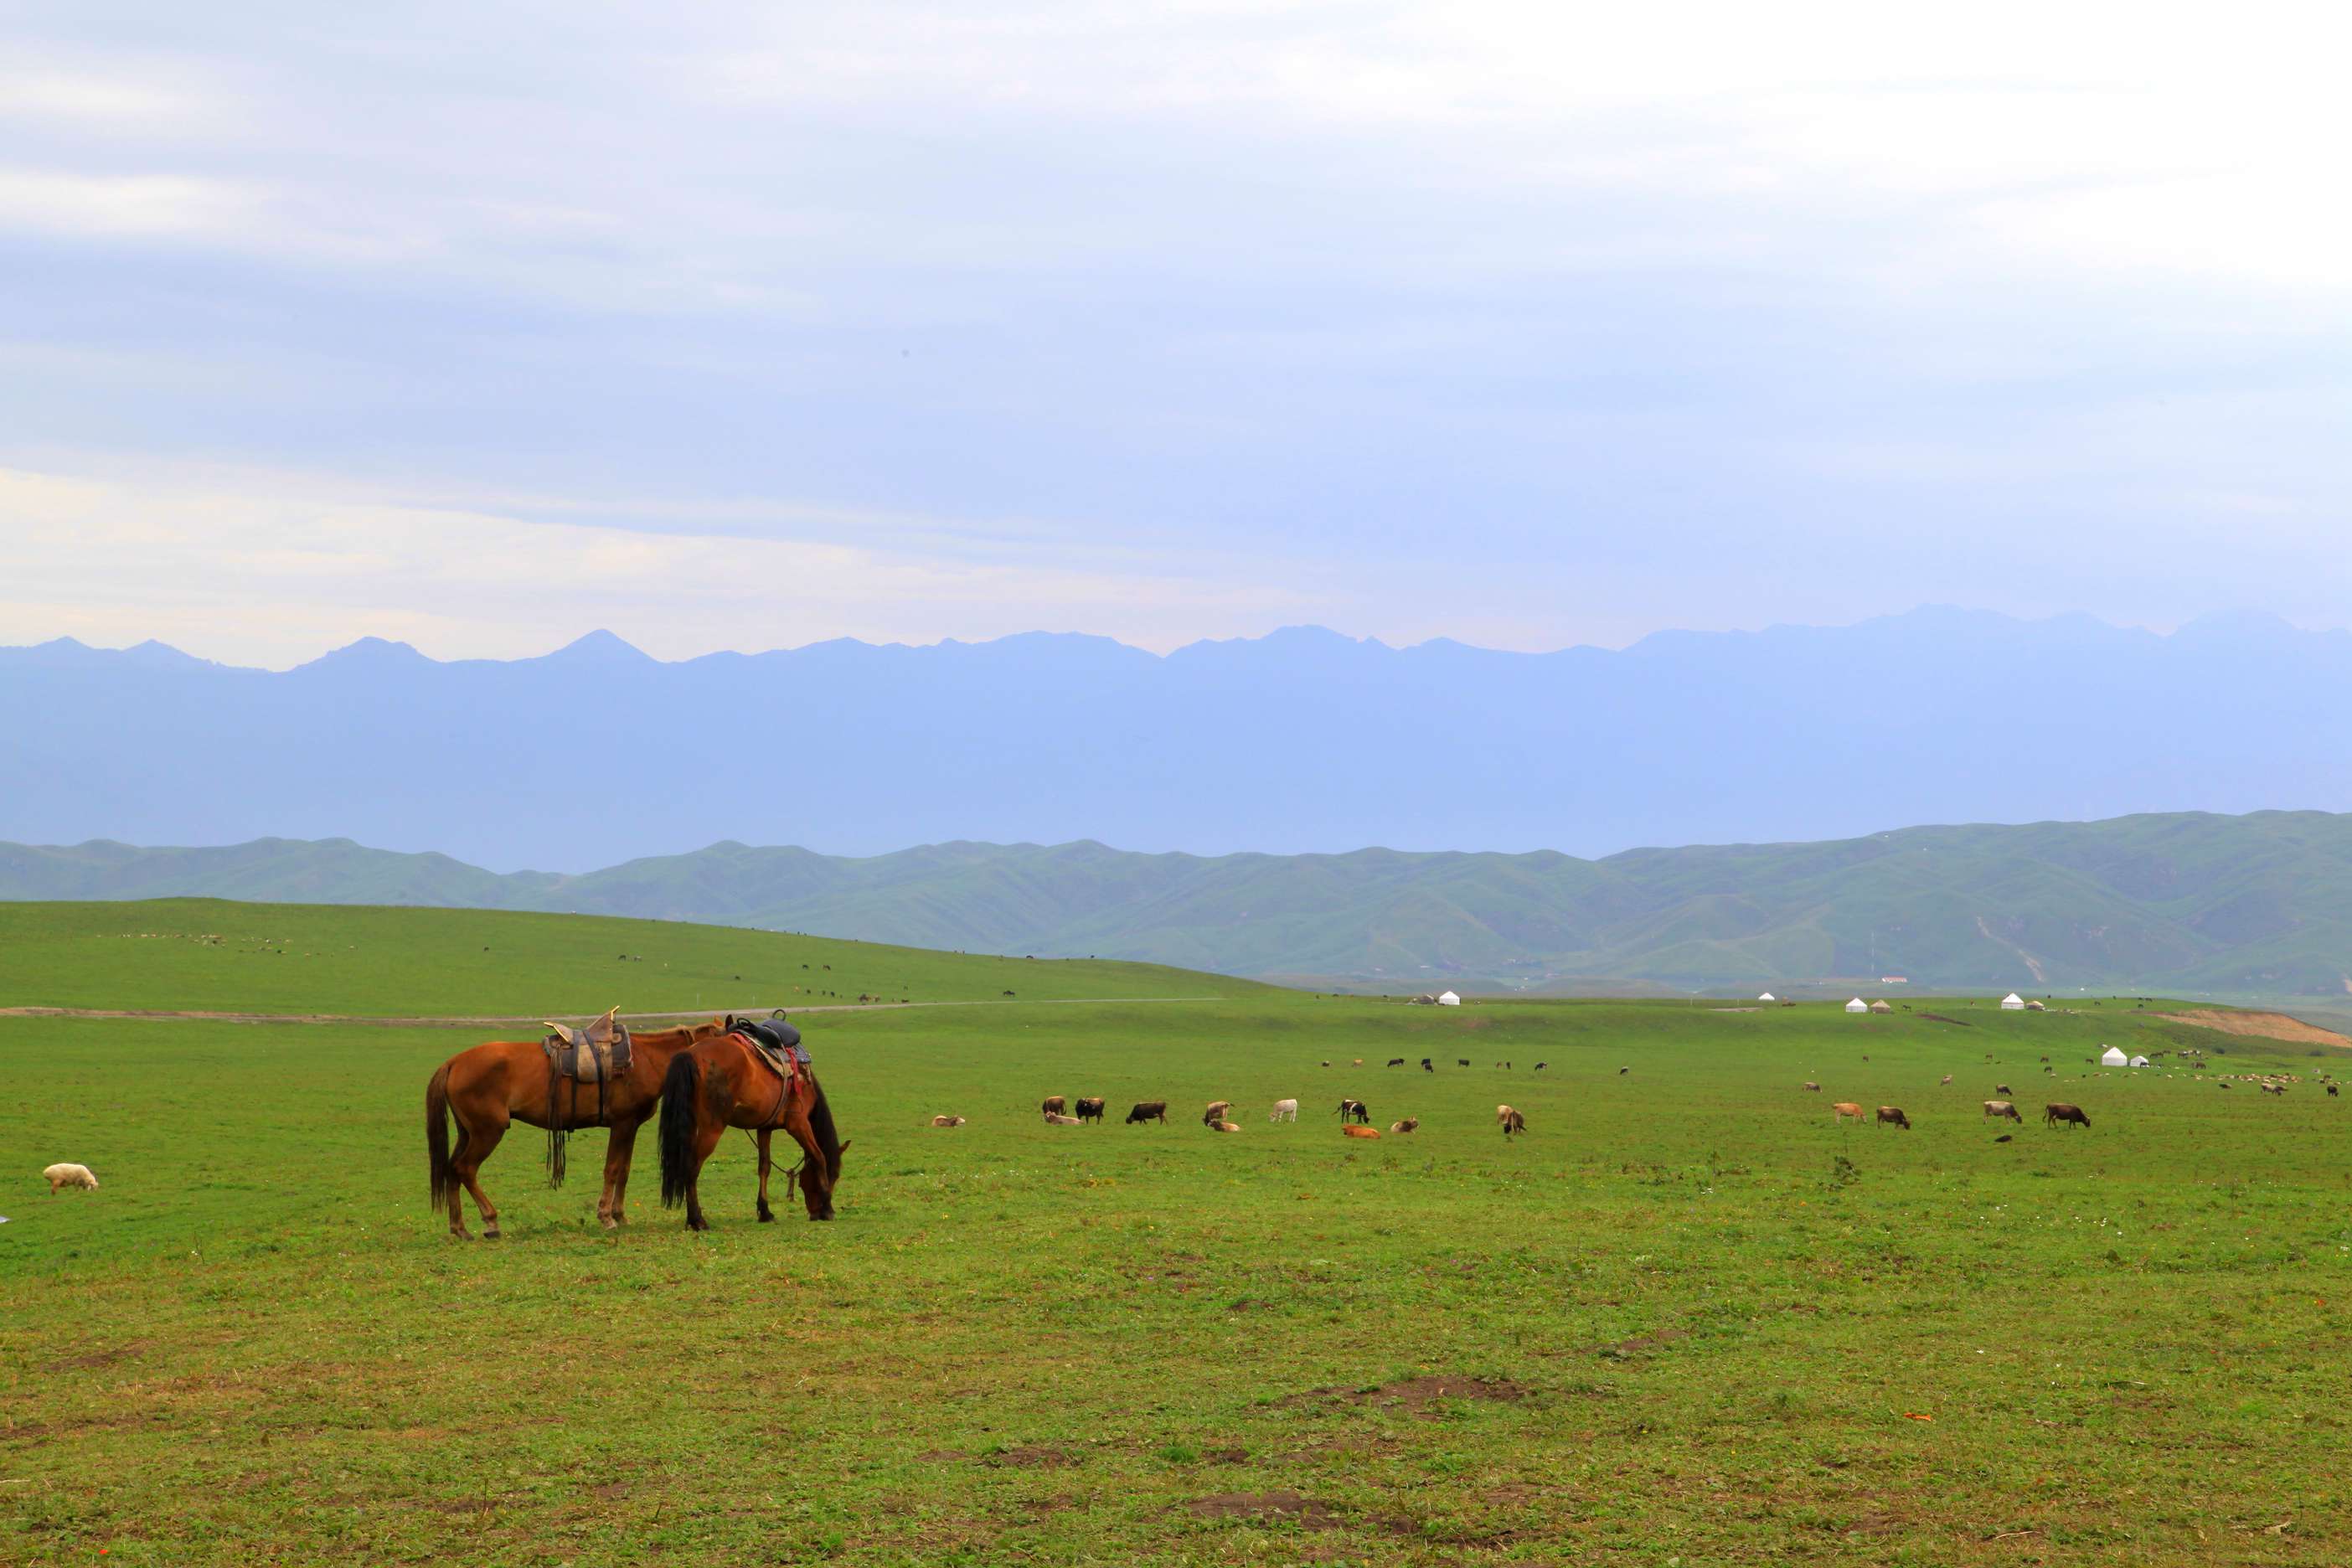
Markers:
{"x": 706, "y": 1143}
{"x": 618, "y": 1151}
{"x": 767, "y": 1163}
{"x": 466, "y": 1165}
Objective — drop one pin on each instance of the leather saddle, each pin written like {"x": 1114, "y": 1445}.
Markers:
{"x": 595, "y": 1053}
{"x": 777, "y": 1043}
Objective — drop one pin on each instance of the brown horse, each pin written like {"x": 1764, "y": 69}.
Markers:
{"x": 722, "y": 1082}
{"x": 500, "y": 1081}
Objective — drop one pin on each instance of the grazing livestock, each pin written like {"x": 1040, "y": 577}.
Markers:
{"x": 1996, "y": 1109}
{"x": 2331, "y": 1088}
{"x": 1844, "y": 1109}
{"x": 69, "y": 1176}
{"x": 1502, "y": 1113}
{"x": 1894, "y": 1114}
{"x": 1947, "y": 1078}
{"x": 1224, "y": 1126}
{"x": 2001, "y": 1089}
{"x": 1354, "y": 1132}
{"x": 1407, "y": 1125}
{"x": 1090, "y": 1107}
{"x": 1359, "y": 1061}
{"x": 2054, "y": 1114}
{"x": 1216, "y": 1112}
{"x": 1514, "y": 1123}
{"x": 1285, "y": 1111}
{"x": 1622, "y": 1071}
{"x": 1814, "y": 1087}
{"x": 1353, "y": 1110}
{"x": 1054, "y": 1105}
{"x": 947, "y": 1121}
{"x": 1057, "y": 1120}
{"x": 1327, "y": 1063}
{"x": 2273, "y": 1088}
{"x": 1396, "y": 1061}
{"x": 2004, "y": 1137}
{"x": 1540, "y": 1066}
{"x": 1426, "y": 1066}
{"x": 1149, "y": 1111}
{"x": 1462, "y": 1061}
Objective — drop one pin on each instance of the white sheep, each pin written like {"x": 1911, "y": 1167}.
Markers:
{"x": 69, "y": 1177}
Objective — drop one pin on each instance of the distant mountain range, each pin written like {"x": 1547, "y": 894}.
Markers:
{"x": 1302, "y": 740}
{"x": 2186, "y": 902}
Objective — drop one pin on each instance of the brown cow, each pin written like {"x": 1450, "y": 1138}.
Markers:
{"x": 1054, "y": 1105}
{"x": 947, "y": 1121}
{"x": 1090, "y": 1107}
{"x": 1947, "y": 1078}
{"x": 1216, "y": 1112}
{"x": 1502, "y": 1115}
{"x": 1149, "y": 1111}
{"x": 1407, "y": 1125}
{"x": 1353, "y": 1131}
{"x": 1814, "y": 1086}
{"x": 1845, "y": 1108}
{"x": 2000, "y": 1108}
{"x": 1514, "y": 1123}
{"x": 2054, "y": 1114}
{"x": 1894, "y": 1114}
{"x": 1224, "y": 1126}
{"x": 2003, "y": 1089}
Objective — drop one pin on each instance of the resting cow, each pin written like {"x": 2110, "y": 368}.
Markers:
{"x": 1056, "y": 1119}
{"x": 1224, "y": 1126}
{"x": 1355, "y": 1132}
{"x": 2054, "y": 1114}
{"x": 1407, "y": 1125}
{"x": 1814, "y": 1086}
{"x": 1216, "y": 1112}
{"x": 1149, "y": 1111}
{"x": 947, "y": 1121}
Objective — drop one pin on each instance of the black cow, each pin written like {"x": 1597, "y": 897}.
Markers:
{"x": 1462, "y": 1061}
{"x": 1540, "y": 1066}
{"x": 1149, "y": 1111}
{"x": 1090, "y": 1108}
{"x": 1396, "y": 1061}
{"x": 1426, "y": 1066}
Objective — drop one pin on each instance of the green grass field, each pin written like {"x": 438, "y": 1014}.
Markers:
{"x": 1686, "y": 1320}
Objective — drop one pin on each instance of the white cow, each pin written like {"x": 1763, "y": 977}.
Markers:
{"x": 1285, "y": 1111}
{"x": 69, "y": 1177}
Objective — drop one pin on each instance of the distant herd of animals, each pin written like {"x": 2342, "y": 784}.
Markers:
{"x": 1355, "y": 1119}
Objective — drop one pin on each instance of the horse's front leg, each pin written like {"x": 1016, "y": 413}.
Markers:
{"x": 619, "y": 1149}
{"x": 767, "y": 1163}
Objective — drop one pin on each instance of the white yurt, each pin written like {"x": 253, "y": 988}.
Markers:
{"x": 1768, "y": 997}
{"x": 2113, "y": 1056}
{"x": 2139, "y": 1061}
{"x": 1448, "y": 999}
{"x": 1857, "y": 1006}
{"x": 2012, "y": 1003}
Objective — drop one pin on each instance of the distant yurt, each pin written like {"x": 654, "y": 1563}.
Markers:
{"x": 1768, "y": 997}
{"x": 2113, "y": 1056}
{"x": 2139, "y": 1061}
{"x": 1448, "y": 999}
{"x": 2012, "y": 1003}
{"x": 1857, "y": 1006}
{"x": 2036, "y": 1007}
{"x": 1882, "y": 1005}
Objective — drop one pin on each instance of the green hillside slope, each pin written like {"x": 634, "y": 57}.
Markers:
{"x": 2186, "y": 902}
{"x": 205, "y": 954}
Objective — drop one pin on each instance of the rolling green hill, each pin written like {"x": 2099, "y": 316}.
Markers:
{"x": 2183, "y": 902}
{"x": 210, "y": 954}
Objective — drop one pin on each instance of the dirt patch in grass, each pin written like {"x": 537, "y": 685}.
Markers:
{"x": 93, "y": 1359}
{"x": 1266, "y": 1508}
{"x": 1034, "y": 1457}
{"x": 1642, "y": 1345}
{"x": 1939, "y": 1018}
{"x": 1416, "y": 1394}
{"x": 2261, "y": 1025}
{"x": 942, "y": 1456}
{"x": 610, "y": 1491}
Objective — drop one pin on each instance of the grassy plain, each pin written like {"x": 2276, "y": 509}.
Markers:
{"x": 1686, "y": 1321}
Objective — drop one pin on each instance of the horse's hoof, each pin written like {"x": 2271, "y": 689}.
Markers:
{"x": 490, "y": 1233}
{"x": 608, "y": 1222}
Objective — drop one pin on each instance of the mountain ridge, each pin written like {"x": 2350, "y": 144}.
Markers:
{"x": 2183, "y": 902}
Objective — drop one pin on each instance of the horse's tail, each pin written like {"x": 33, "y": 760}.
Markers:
{"x": 828, "y": 1138}
{"x": 436, "y": 1133}
{"x": 680, "y": 1089}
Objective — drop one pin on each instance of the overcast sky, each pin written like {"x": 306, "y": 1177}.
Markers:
{"x": 478, "y": 325}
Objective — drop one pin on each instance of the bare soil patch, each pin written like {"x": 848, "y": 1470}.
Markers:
{"x": 1642, "y": 1345}
{"x": 2261, "y": 1025}
{"x": 1033, "y": 1458}
{"x": 1262, "y": 1508}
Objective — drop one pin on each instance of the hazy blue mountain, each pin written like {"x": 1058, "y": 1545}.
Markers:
{"x": 1302, "y": 740}
{"x": 2184, "y": 902}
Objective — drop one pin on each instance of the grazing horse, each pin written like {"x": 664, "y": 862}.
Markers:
{"x": 486, "y": 1087}
{"x": 720, "y": 1083}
